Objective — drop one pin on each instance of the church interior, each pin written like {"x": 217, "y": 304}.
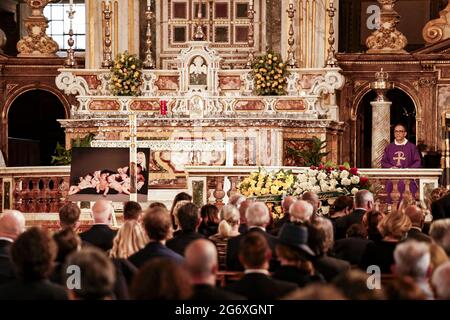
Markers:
{"x": 227, "y": 96}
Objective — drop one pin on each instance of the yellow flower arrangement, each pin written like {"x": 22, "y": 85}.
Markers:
{"x": 269, "y": 75}
{"x": 126, "y": 75}
{"x": 269, "y": 187}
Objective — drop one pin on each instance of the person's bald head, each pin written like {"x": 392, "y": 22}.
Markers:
{"x": 102, "y": 211}
{"x": 313, "y": 199}
{"x": 12, "y": 224}
{"x": 287, "y": 202}
{"x": 201, "y": 260}
{"x": 301, "y": 211}
{"x": 416, "y": 215}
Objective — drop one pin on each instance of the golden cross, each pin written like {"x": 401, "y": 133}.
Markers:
{"x": 399, "y": 158}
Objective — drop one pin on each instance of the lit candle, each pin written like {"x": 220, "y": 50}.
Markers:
{"x": 71, "y": 2}
{"x": 148, "y": 3}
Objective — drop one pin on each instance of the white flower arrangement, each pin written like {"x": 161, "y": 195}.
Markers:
{"x": 329, "y": 182}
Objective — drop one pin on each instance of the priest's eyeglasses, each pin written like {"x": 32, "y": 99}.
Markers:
{"x": 399, "y": 131}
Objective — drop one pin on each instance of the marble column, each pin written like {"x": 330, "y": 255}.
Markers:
{"x": 381, "y": 119}
{"x": 381, "y": 116}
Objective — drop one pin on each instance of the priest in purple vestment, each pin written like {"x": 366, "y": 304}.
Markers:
{"x": 401, "y": 154}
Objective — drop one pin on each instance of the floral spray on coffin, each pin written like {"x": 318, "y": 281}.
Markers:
{"x": 268, "y": 187}
{"x": 329, "y": 182}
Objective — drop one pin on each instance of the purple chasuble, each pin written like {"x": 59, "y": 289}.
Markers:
{"x": 401, "y": 156}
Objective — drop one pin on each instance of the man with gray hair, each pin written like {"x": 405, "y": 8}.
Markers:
{"x": 412, "y": 258}
{"x": 202, "y": 265}
{"x": 258, "y": 217}
{"x": 301, "y": 211}
{"x": 100, "y": 234}
{"x": 12, "y": 225}
{"x": 417, "y": 217}
{"x": 363, "y": 202}
{"x": 440, "y": 233}
{"x": 441, "y": 281}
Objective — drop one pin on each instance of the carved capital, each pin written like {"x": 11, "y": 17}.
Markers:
{"x": 387, "y": 39}
{"x": 37, "y": 43}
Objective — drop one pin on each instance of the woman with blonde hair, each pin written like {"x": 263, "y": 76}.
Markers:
{"x": 393, "y": 228}
{"x": 228, "y": 228}
{"x": 130, "y": 238}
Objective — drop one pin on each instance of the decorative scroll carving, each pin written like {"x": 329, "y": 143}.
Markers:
{"x": 438, "y": 29}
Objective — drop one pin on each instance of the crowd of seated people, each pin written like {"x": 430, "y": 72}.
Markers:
{"x": 234, "y": 252}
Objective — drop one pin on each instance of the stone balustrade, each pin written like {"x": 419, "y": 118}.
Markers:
{"x": 34, "y": 189}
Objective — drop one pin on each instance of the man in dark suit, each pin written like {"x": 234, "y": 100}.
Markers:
{"x": 352, "y": 248}
{"x": 69, "y": 216}
{"x": 363, "y": 203}
{"x": 12, "y": 224}
{"x": 440, "y": 209}
{"x": 100, "y": 234}
{"x": 257, "y": 216}
{"x": 189, "y": 220}
{"x": 257, "y": 284}
{"x": 32, "y": 255}
{"x": 202, "y": 265}
{"x": 320, "y": 240}
{"x": 417, "y": 217}
{"x": 158, "y": 225}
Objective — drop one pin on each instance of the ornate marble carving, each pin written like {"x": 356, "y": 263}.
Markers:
{"x": 167, "y": 83}
{"x": 37, "y": 43}
{"x": 230, "y": 82}
{"x": 147, "y": 105}
{"x": 92, "y": 81}
{"x": 387, "y": 39}
{"x": 438, "y": 29}
{"x": 101, "y": 105}
{"x": 249, "y": 105}
{"x": 290, "y": 105}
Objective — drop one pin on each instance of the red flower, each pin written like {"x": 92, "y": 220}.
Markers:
{"x": 321, "y": 166}
{"x": 313, "y": 167}
{"x": 342, "y": 168}
{"x": 363, "y": 181}
{"x": 329, "y": 169}
{"x": 354, "y": 171}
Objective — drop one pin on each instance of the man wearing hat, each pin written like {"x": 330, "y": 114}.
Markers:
{"x": 295, "y": 256}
